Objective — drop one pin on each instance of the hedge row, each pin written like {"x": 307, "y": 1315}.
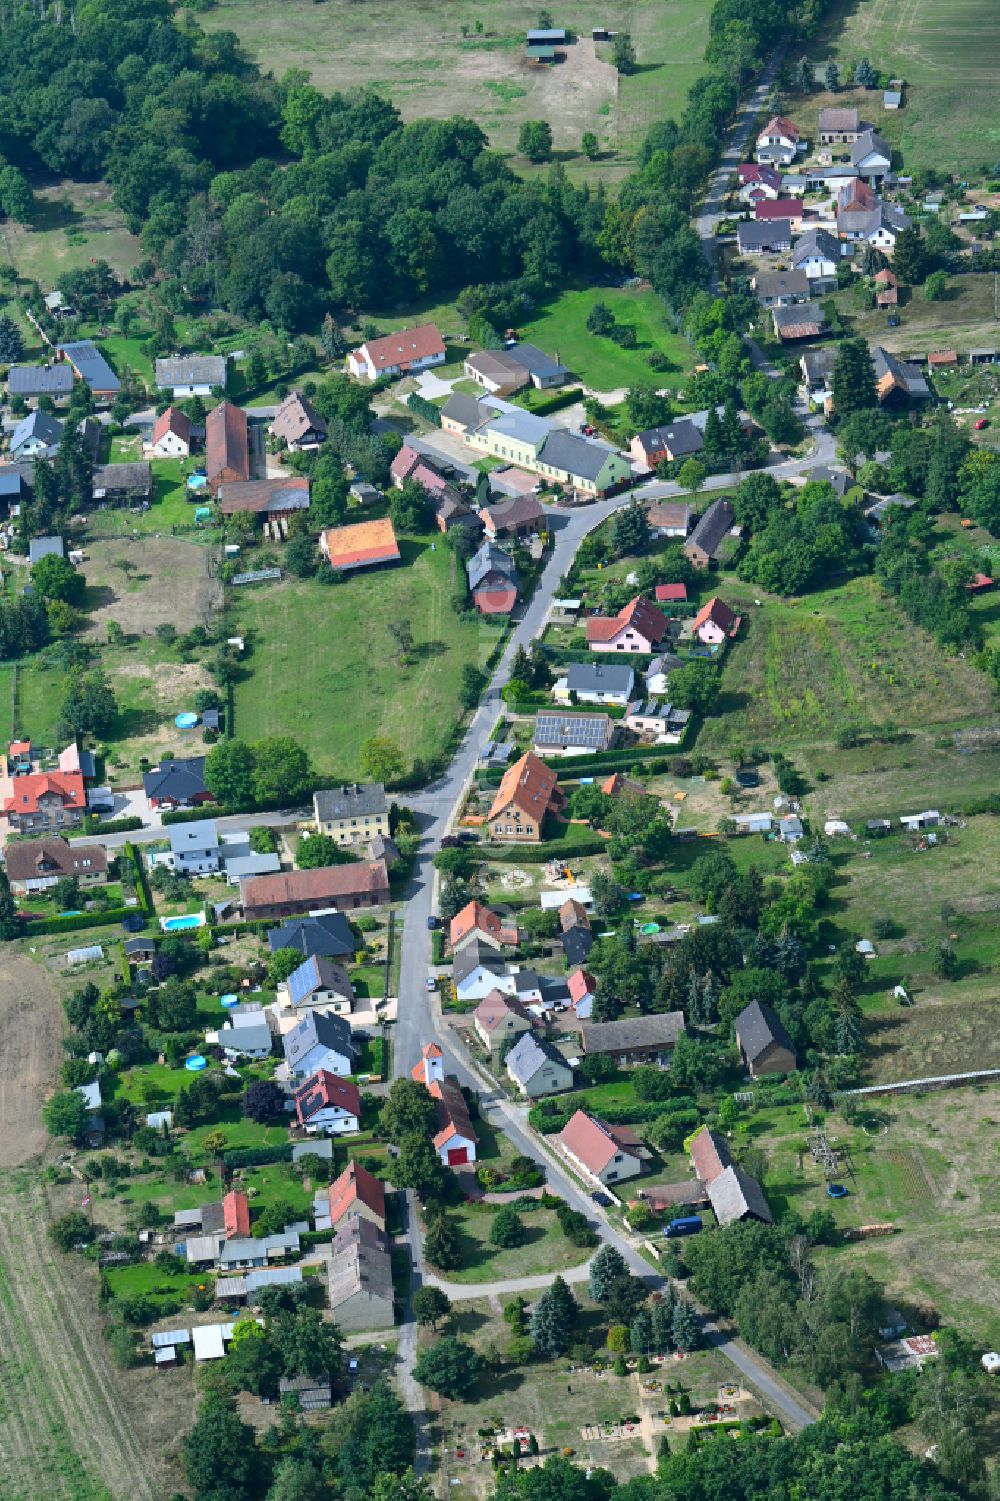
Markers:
{"x": 257, "y": 1156}
{"x": 626, "y": 756}
{"x": 94, "y": 825}
{"x": 132, "y": 857}
{"x": 551, "y": 849}
{"x": 192, "y": 815}
{"x": 79, "y": 921}
{"x": 553, "y": 403}
{"x": 547, "y": 1121}
{"x": 424, "y": 408}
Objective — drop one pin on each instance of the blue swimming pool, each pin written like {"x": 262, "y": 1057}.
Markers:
{"x": 181, "y": 924}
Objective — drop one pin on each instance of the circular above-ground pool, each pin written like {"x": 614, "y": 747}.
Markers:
{"x": 229, "y": 1001}
{"x": 195, "y": 1064}
{"x": 181, "y": 924}
{"x": 836, "y": 1190}
{"x": 197, "y": 481}
{"x": 186, "y": 721}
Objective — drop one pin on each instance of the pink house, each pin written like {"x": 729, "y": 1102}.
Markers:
{"x": 714, "y": 622}
{"x": 639, "y": 627}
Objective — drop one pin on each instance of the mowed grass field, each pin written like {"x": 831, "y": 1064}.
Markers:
{"x": 948, "y": 52}
{"x": 416, "y": 54}
{"x": 323, "y": 664}
{"x": 598, "y": 362}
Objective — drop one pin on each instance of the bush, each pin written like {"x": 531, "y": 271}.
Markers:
{"x": 78, "y": 924}
{"x": 257, "y": 1156}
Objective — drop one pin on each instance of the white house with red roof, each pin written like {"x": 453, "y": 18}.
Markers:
{"x": 638, "y": 627}
{"x": 455, "y": 1140}
{"x": 582, "y": 989}
{"x": 172, "y": 435}
{"x": 601, "y": 1153}
{"x": 430, "y": 1069}
{"x": 398, "y": 354}
{"x": 328, "y": 1106}
{"x": 758, "y": 180}
{"x": 715, "y": 622}
{"x": 478, "y": 922}
{"x": 778, "y": 142}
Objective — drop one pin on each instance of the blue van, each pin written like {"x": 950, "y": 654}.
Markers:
{"x": 689, "y": 1224}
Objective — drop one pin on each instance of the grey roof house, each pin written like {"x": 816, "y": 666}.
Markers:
{"x": 30, "y": 381}
{"x": 537, "y": 1068}
{"x": 45, "y": 547}
{"x": 600, "y": 682}
{"x": 320, "y": 1040}
{"x": 735, "y": 1196}
{"x": 191, "y": 375}
{"x": 36, "y": 436}
{"x": 328, "y": 934}
{"x": 91, "y": 366}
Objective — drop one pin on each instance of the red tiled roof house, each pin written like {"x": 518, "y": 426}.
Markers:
{"x": 601, "y": 1153}
{"x": 526, "y": 796}
{"x": 45, "y": 800}
{"x": 398, "y": 354}
{"x": 715, "y": 622}
{"x": 227, "y": 445}
{"x": 172, "y": 434}
{"x": 639, "y": 627}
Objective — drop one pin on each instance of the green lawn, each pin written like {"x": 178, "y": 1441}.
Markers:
{"x": 149, "y": 1281}
{"x": 73, "y": 223}
{"x": 546, "y": 1249}
{"x": 324, "y": 664}
{"x": 597, "y": 362}
{"x": 40, "y": 685}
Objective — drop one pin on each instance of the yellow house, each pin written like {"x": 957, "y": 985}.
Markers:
{"x": 352, "y": 814}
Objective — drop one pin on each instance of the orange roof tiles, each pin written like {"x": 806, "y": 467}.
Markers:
{"x": 528, "y": 785}
{"x": 364, "y": 542}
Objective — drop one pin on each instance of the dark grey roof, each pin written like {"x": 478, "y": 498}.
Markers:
{"x": 40, "y": 380}
{"x": 681, "y": 437}
{"x": 866, "y": 143}
{"x": 600, "y": 677}
{"x": 818, "y": 363}
{"x": 123, "y": 477}
{"x": 12, "y": 481}
{"x": 838, "y": 478}
{"x": 537, "y": 362}
{"x": 180, "y": 779}
{"x": 577, "y": 944}
{"x": 557, "y": 730}
{"x": 816, "y": 242}
{"x": 757, "y": 1027}
{"x": 318, "y": 1029}
{"x": 192, "y": 370}
{"x": 798, "y": 315}
{"x": 464, "y": 409}
{"x": 490, "y": 559}
{"x": 754, "y": 235}
{"x": 712, "y": 527}
{"x": 661, "y": 1029}
{"x": 529, "y": 1054}
{"x": 473, "y": 955}
{"x": 577, "y": 455}
{"x": 139, "y": 946}
{"x": 40, "y": 427}
{"x": 781, "y": 284}
{"x": 734, "y": 1195}
{"x": 908, "y": 375}
{"x": 328, "y": 936}
{"x": 353, "y": 800}
{"x": 85, "y": 357}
